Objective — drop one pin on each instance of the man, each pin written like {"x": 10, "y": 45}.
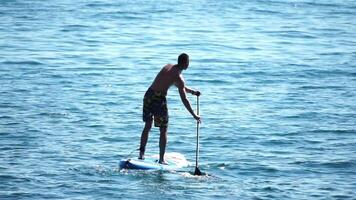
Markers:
{"x": 155, "y": 103}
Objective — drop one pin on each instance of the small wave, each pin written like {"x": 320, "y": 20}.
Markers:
{"x": 254, "y": 73}
{"x": 279, "y": 142}
{"x": 267, "y": 12}
{"x": 74, "y": 27}
{"x": 334, "y": 53}
{"x": 339, "y": 164}
{"x": 95, "y": 126}
{"x": 319, "y": 4}
{"x": 30, "y": 62}
{"x": 323, "y": 73}
{"x": 316, "y": 87}
{"x": 265, "y": 169}
{"x": 334, "y": 131}
{"x": 111, "y": 139}
{"x": 214, "y": 81}
{"x": 79, "y": 121}
{"x": 340, "y": 196}
{"x": 295, "y": 34}
{"x": 12, "y": 178}
{"x": 271, "y": 189}
{"x": 10, "y": 123}
{"x": 6, "y": 117}
{"x": 53, "y": 114}
{"x": 99, "y": 5}
{"x": 89, "y": 69}
{"x": 88, "y": 170}
{"x": 329, "y": 164}
{"x": 90, "y": 74}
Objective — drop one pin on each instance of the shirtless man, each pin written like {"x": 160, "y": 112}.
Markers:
{"x": 155, "y": 103}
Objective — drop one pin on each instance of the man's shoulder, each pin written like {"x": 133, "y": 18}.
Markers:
{"x": 180, "y": 81}
{"x": 168, "y": 65}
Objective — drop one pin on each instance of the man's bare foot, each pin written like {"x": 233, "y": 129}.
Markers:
{"x": 141, "y": 155}
{"x": 162, "y": 162}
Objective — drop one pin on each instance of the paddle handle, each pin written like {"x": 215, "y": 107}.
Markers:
{"x": 198, "y": 105}
{"x": 197, "y": 148}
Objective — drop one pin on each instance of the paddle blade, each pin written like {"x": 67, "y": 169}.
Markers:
{"x": 197, "y": 172}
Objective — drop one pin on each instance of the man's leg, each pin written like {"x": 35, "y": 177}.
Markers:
{"x": 144, "y": 138}
{"x": 162, "y": 143}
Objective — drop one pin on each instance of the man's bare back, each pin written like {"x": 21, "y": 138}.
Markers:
{"x": 168, "y": 76}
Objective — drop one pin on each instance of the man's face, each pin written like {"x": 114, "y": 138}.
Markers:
{"x": 186, "y": 64}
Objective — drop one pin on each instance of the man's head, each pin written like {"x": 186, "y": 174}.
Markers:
{"x": 183, "y": 60}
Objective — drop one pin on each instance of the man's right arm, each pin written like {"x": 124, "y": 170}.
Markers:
{"x": 191, "y": 91}
{"x": 181, "y": 88}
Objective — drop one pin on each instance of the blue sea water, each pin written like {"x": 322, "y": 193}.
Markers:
{"x": 278, "y": 104}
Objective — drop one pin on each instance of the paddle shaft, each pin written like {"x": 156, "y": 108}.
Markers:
{"x": 197, "y": 148}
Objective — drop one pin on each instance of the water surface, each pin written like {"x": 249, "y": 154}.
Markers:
{"x": 278, "y": 98}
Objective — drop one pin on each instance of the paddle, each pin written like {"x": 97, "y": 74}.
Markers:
{"x": 197, "y": 170}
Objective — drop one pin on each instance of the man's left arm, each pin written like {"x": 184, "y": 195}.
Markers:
{"x": 191, "y": 91}
{"x": 188, "y": 90}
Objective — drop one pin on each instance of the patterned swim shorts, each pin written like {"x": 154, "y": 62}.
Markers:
{"x": 155, "y": 105}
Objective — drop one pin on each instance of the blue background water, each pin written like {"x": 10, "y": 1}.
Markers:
{"x": 279, "y": 98}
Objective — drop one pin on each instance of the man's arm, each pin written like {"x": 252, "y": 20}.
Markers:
{"x": 182, "y": 92}
{"x": 193, "y": 92}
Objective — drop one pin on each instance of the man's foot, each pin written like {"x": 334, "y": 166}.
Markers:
{"x": 141, "y": 156}
{"x": 162, "y": 162}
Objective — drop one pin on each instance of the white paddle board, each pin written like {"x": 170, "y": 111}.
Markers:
{"x": 174, "y": 161}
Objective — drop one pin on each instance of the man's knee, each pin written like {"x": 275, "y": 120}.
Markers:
{"x": 148, "y": 125}
{"x": 163, "y": 129}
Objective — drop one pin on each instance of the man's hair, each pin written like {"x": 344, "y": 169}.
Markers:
{"x": 182, "y": 58}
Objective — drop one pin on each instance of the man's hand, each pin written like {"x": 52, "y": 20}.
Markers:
{"x": 197, "y": 117}
{"x": 197, "y": 93}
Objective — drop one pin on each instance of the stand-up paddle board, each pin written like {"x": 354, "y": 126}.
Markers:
{"x": 174, "y": 161}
